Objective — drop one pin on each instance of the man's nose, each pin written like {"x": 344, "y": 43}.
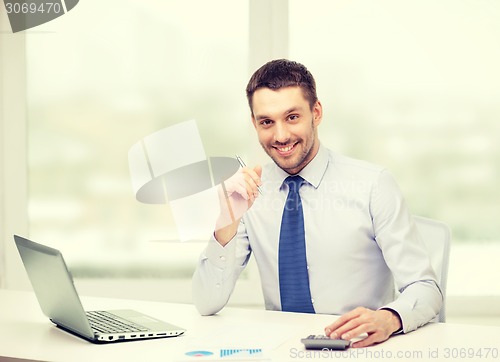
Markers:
{"x": 281, "y": 133}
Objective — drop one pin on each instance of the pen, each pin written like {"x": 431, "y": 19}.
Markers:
{"x": 242, "y": 164}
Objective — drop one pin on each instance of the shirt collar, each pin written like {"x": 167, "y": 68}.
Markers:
{"x": 313, "y": 173}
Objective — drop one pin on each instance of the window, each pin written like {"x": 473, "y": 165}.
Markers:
{"x": 99, "y": 80}
{"x": 414, "y": 86}
{"x": 409, "y": 85}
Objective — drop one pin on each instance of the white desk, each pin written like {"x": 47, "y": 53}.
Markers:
{"x": 25, "y": 333}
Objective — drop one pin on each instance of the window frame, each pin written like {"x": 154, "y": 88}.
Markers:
{"x": 13, "y": 154}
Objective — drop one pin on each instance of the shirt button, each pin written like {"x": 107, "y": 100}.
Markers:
{"x": 308, "y": 267}
{"x": 217, "y": 285}
{"x": 312, "y": 300}
{"x": 222, "y": 258}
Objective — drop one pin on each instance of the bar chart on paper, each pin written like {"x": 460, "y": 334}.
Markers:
{"x": 254, "y": 352}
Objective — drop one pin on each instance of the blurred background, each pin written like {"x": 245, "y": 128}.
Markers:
{"x": 411, "y": 85}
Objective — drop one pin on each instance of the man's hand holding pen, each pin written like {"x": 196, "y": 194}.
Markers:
{"x": 236, "y": 195}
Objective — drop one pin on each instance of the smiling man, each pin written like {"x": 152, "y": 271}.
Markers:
{"x": 330, "y": 234}
{"x": 287, "y": 126}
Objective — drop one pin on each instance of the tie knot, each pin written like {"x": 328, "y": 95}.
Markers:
{"x": 294, "y": 183}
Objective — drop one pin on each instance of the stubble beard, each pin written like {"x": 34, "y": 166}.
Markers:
{"x": 300, "y": 163}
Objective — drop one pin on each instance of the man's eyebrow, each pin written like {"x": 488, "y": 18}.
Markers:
{"x": 293, "y": 109}
{"x": 287, "y": 112}
{"x": 261, "y": 117}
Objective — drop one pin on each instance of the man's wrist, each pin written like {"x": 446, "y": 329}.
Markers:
{"x": 226, "y": 234}
{"x": 394, "y": 320}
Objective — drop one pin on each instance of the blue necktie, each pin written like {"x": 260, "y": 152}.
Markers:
{"x": 293, "y": 274}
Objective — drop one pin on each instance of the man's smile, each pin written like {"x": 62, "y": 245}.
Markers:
{"x": 285, "y": 150}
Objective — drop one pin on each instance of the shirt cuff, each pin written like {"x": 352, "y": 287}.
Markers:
{"x": 218, "y": 255}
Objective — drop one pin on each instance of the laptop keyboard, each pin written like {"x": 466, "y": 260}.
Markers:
{"x": 105, "y": 322}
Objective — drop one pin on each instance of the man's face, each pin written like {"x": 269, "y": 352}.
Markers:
{"x": 286, "y": 126}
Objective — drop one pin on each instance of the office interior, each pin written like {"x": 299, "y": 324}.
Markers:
{"x": 413, "y": 86}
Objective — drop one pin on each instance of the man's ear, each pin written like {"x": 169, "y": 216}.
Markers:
{"x": 317, "y": 113}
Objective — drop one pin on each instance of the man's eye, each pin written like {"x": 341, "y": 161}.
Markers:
{"x": 293, "y": 117}
{"x": 266, "y": 122}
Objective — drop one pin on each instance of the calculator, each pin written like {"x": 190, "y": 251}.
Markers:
{"x": 324, "y": 342}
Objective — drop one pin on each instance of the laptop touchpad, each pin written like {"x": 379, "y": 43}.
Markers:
{"x": 142, "y": 319}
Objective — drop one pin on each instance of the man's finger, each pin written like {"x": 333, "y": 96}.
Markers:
{"x": 342, "y": 320}
{"x": 355, "y": 332}
{"x": 368, "y": 341}
{"x": 254, "y": 175}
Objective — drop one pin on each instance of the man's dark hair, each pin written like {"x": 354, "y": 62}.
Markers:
{"x": 281, "y": 73}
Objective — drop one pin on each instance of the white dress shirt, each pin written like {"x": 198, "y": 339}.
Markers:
{"x": 361, "y": 242}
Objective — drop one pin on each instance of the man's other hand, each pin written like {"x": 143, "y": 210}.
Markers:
{"x": 379, "y": 325}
